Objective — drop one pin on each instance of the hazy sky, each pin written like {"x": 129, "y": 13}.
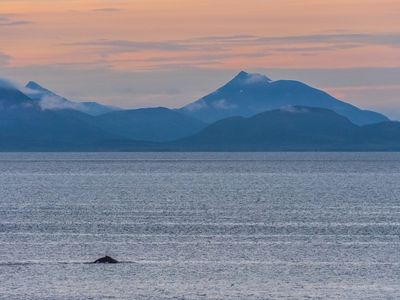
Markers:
{"x": 170, "y": 52}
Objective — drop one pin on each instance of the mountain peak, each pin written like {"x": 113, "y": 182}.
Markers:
{"x": 242, "y": 74}
{"x": 250, "y": 78}
{"x": 250, "y": 93}
{"x": 34, "y": 86}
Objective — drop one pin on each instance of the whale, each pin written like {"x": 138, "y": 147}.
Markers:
{"x": 106, "y": 260}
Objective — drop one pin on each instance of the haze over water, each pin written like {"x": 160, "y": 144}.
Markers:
{"x": 200, "y": 225}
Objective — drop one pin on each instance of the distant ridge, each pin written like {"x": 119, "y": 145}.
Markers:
{"x": 248, "y": 94}
{"x": 157, "y": 124}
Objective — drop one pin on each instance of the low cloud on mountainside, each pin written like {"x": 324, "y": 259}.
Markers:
{"x": 57, "y": 103}
{"x": 47, "y": 102}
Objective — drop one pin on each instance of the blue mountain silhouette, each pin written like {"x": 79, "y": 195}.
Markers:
{"x": 248, "y": 94}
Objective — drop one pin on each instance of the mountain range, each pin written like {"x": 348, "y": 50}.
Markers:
{"x": 249, "y": 113}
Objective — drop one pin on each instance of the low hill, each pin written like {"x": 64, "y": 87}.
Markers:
{"x": 293, "y": 129}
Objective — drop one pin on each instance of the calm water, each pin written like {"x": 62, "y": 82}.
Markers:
{"x": 200, "y": 226}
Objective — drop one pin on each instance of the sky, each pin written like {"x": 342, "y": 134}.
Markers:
{"x": 141, "y": 53}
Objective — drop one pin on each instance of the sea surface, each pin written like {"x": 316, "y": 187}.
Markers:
{"x": 200, "y": 225}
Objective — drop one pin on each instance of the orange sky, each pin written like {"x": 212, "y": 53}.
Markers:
{"x": 153, "y": 35}
{"x": 54, "y": 30}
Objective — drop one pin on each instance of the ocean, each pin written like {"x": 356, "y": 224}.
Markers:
{"x": 200, "y": 225}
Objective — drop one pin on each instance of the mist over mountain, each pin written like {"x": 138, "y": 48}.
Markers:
{"x": 148, "y": 124}
{"x": 248, "y": 94}
{"x": 41, "y": 120}
{"x": 12, "y": 98}
{"x": 50, "y": 100}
